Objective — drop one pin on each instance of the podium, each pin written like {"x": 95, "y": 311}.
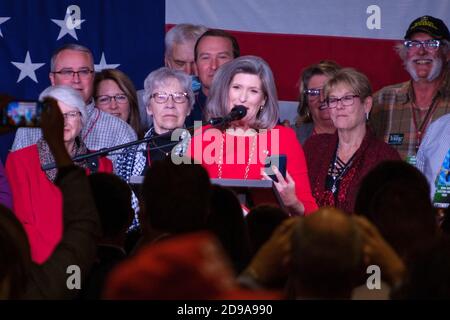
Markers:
{"x": 252, "y": 192}
{"x": 249, "y": 192}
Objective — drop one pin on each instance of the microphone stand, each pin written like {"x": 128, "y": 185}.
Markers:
{"x": 215, "y": 122}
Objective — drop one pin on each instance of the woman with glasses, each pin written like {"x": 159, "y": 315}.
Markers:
{"x": 337, "y": 162}
{"x": 37, "y": 202}
{"x": 169, "y": 98}
{"x": 115, "y": 94}
{"x": 311, "y": 119}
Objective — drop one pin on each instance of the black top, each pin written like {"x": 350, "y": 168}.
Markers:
{"x": 198, "y": 111}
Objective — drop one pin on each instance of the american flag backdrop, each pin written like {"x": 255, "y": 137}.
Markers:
{"x": 128, "y": 35}
{"x": 292, "y": 34}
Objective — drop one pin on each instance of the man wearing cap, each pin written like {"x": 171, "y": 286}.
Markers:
{"x": 402, "y": 112}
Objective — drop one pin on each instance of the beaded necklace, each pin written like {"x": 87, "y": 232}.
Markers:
{"x": 247, "y": 168}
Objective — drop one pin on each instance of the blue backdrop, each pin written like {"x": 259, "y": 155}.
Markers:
{"x": 125, "y": 34}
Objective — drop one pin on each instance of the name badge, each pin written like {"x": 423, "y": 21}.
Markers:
{"x": 396, "y": 139}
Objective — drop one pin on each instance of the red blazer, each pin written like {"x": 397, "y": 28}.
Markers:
{"x": 37, "y": 202}
{"x": 319, "y": 152}
{"x": 280, "y": 140}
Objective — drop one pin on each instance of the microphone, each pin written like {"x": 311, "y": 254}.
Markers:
{"x": 237, "y": 113}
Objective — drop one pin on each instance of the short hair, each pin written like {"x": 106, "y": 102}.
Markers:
{"x": 67, "y": 95}
{"x": 222, "y": 34}
{"x": 217, "y": 104}
{"x": 325, "y": 67}
{"x": 127, "y": 86}
{"x": 326, "y": 261}
{"x": 70, "y": 46}
{"x": 112, "y": 198}
{"x": 160, "y": 76}
{"x": 182, "y": 33}
{"x": 394, "y": 196}
{"x": 357, "y": 81}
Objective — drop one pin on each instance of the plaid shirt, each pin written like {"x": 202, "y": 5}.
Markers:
{"x": 392, "y": 118}
{"x": 101, "y": 130}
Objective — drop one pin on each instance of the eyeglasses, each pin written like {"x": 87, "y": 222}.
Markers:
{"x": 105, "y": 99}
{"x": 312, "y": 92}
{"x": 345, "y": 100}
{"x": 177, "y": 97}
{"x": 71, "y": 115}
{"x": 68, "y": 73}
{"x": 430, "y": 45}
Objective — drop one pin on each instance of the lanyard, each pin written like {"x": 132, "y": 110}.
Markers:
{"x": 420, "y": 129}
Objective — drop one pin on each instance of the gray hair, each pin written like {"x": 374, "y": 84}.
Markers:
{"x": 218, "y": 101}
{"x": 67, "y": 95}
{"x": 160, "y": 77}
{"x": 70, "y": 46}
{"x": 182, "y": 33}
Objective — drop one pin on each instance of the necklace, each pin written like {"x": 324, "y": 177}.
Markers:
{"x": 247, "y": 168}
{"x": 337, "y": 174}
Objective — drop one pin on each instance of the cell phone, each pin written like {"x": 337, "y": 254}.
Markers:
{"x": 279, "y": 161}
{"x": 21, "y": 114}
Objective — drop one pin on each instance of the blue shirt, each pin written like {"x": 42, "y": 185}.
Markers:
{"x": 433, "y": 149}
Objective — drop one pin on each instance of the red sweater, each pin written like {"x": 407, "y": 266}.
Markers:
{"x": 237, "y": 151}
{"x": 319, "y": 152}
{"x": 37, "y": 202}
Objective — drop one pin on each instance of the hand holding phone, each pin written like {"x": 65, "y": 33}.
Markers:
{"x": 21, "y": 114}
{"x": 279, "y": 161}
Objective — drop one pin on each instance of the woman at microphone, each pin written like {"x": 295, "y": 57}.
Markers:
{"x": 240, "y": 148}
{"x": 37, "y": 201}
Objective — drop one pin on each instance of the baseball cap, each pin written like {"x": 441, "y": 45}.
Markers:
{"x": 433, "y": 26}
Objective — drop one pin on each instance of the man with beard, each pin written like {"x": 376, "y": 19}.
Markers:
{"x": 402, "y": 112}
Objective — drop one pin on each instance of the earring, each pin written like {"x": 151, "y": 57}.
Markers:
{"x": 258, "y": 114}
{"x": 367, "y": 116}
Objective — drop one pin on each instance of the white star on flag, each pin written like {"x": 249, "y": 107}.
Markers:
{"x": 103, "y": 65}
{"x": 68, "y": 26}
{"x": 3, "y": 20}
{"x": 27, "y": 68}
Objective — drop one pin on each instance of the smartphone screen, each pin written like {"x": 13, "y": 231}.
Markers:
{"x": 279, "y": 161}
{"x": 22, "y": 114}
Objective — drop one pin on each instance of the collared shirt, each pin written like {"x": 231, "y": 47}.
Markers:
{"x": 392, "y": 117}
{"x": 434, "y": 148}
{"x": 101, "y": 130}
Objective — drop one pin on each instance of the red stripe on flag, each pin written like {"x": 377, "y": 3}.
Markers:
{"x": 289, "y": 54}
